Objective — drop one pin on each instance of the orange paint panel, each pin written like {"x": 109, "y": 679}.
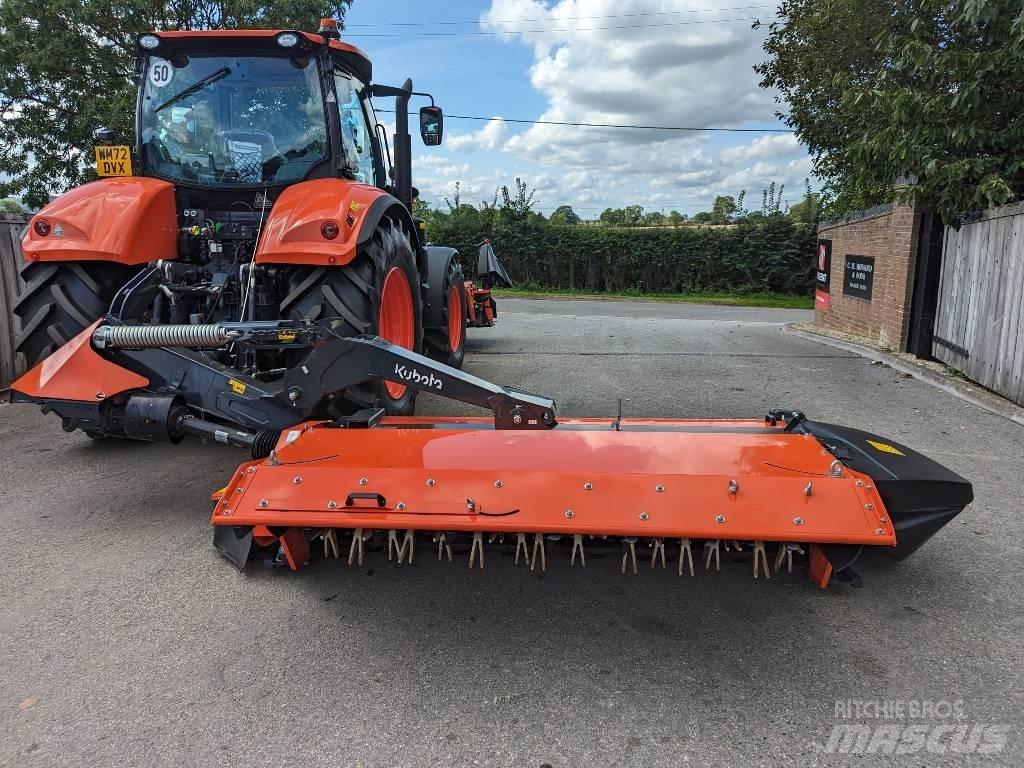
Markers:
{"x": 130, "y": 220}
{"x": 583, "y": 477}
{"x": 292, "y": 232}
{"x": 77, "y": 372}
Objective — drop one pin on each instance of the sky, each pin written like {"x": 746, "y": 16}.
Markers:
{"x": 683, "y": 63}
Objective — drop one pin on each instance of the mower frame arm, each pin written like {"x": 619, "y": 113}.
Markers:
{"x": 330, "y": 364}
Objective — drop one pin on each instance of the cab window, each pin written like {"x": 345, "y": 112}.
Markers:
{"x": 356, "y": 135}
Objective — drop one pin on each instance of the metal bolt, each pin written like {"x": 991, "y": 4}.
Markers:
{"x": 400, "y": 506}
{"x": 294, "y": 395}
{"x": 798, "y": 521}
{"x": 719, "y": 518}
{"x": 809, "y": 488}
{"x": 569, "y": 513}
{"x": 431, "y": 482}
{"x": 297, "y": 479}
{"x": 734, "y": 487}
{"x": 470, "y": 504}
{"x": 659, "y": 488}
{"x": 498, "y": 483}
{"x": 588, "y": 486}
{"x": 869, "y": 506}
{"x": 264, "y": 503}
{"x": 517, "y": 419}
{"x": 238, "y": 489}
{"x": 879, "y": 532}
{"x": 859, "y": 483}
{"x": 363, "y": 481}
{"x": 644, "y": 515}
{"x": 100, "y": 395}
{"x": 226, "y": 512}
{"x": 332, "y": 505}
{"x": 836, "y": 470}
{"x": 273, "y": 460}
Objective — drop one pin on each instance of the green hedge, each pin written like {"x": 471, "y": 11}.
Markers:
{"x": 771, "y": 255}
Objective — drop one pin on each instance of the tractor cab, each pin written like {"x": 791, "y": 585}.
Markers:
{"x": 232, "y": 111}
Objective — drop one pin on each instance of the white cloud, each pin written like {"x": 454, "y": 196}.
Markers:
{"x": 491, "y": 136}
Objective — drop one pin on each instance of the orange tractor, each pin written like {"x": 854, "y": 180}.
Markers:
{"x": 249, "y": 272}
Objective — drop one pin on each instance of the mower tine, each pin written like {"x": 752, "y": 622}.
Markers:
{"x": 408, "y": 545}
{"x": 685, "y": 551}
{"x": 577, "y": 544}
{"x": 443, "y": 545}
{"x": 521, "y": 545}
{"x": 356, "y": 550}
{"x": 734, "y": 544}
{"x": 392, "y": 542}
{"x": 538, "y": 546}
{"x": 657, "y": 546}
{"x": 786, "y": 554}
{"x": 477, "y": 547}
{"x": 761, "y": 556}
{"x": 712, "y": 547}
{"x": 330, "y": 542}
{"x": 628, "y": 552}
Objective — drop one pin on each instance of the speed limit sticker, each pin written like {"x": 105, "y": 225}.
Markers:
{"x": 160, "y": 73}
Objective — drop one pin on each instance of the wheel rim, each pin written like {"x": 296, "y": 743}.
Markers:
{"x": 396, "y": 323}
{"x": 454, "y": 317}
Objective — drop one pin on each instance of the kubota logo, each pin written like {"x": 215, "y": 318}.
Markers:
{"x": 411, "y": 374}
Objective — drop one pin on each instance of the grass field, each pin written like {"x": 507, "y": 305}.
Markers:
{"x": 777, "y": 300}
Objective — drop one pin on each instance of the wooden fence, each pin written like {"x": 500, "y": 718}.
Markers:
{"x": 11, "y": 227}
{"x": 979, "y": 328}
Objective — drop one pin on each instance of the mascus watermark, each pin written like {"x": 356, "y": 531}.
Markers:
{"x": 911, "y": 726}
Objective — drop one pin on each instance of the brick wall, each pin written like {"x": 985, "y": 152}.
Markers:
{"x": 889, "y": 234}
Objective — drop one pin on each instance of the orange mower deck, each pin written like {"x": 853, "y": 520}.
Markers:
{"x": 732, "y": 480}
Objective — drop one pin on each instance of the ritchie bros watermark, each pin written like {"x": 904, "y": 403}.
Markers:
{"x": 911, "y": 726}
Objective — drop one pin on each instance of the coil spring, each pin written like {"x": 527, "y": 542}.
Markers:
{"x": 148, "y": 336}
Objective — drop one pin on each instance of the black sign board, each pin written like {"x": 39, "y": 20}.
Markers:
{"x": 859, "y": 276}
{"x": 824, "y": 266}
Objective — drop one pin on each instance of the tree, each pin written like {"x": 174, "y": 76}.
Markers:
{"x": 808, "y": 210}
{"x": 612, "y": 217}
{"x": 675, "y": 218}
{"x": 916, "y": 91}
{"x": 66, "y": 68}
{"x": 702, "y": 218}
{"x": 517, "y": 205}
{"x": 723, "y": 208}
{"x": 653, "y": 219}
{"x": 10, "y": 205}
{"x": 564, "y": 214}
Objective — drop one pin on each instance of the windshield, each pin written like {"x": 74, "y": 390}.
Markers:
{"x": 230, "y": 120}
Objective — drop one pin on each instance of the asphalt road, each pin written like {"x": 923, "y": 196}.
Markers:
{"x": 126, "y": 641}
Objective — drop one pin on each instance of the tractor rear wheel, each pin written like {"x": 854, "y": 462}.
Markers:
{"x": 61, "y": 299}
{"x": 376, "y": 293}
{"x": 448, "y": 344}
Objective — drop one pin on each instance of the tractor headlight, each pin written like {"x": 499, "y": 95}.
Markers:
{"x": 288, "y": 39}
{"x": 149, "y": 42}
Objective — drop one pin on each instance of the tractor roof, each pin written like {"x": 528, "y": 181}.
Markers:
{"x": 354, "y": 57}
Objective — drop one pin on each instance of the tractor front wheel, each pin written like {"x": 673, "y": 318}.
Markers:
{"x": 448, "y": 344}
{"x": 376, "y": 293}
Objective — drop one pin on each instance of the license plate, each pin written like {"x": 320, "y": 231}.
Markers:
{"x": 113, "y": 161}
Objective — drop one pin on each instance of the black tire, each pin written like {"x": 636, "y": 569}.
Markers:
{"x": 436, "y": 342}
{"x": 348, "y": 299}
{"x": 61, "y": 299}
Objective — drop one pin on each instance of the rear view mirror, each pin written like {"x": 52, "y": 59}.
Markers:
{"x": 431, "y": 125}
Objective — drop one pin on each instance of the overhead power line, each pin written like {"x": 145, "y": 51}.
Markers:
{"x": 542, "y": 31}
{"x": 607, "y": 125}
{"x": 557, "y": 19}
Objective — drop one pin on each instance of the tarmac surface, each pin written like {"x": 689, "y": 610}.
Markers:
{"x": 125, "y": 640}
